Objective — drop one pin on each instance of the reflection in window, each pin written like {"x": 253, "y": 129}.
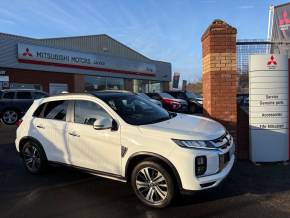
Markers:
{"x": 93, "y": 83}
{"x": 87, "y": 112}
{"x": 56, "y": 110}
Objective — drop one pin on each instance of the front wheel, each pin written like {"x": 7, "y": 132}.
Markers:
{"x": 152, "y": 184}
{"x": 33, "y": 157}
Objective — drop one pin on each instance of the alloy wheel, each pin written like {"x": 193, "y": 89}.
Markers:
{"x": 10, "y": 117}
{"x": 151, "y": 185}
{"x": 32, "y": 158}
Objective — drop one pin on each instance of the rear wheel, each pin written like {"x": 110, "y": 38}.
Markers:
{"x": 152, "y": 184}
{"x": 10, "y": 117}
{"x": 33, "y": 157}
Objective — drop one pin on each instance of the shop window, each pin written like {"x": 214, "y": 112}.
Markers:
{"x": 100, "y": 83}
{"x": 140, "y": 86}
{"x": 25, "y": 86}
{"x": 154, "y": 86}
{"x": 115, "y": 83}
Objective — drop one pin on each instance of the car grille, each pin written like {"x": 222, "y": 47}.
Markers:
{"x": 223, "y": 142}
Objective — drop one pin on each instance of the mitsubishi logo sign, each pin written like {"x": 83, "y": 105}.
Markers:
{"x": 27, "y": 53}
{"x": 272, "y": 61}
{"x": 284, "y": 20}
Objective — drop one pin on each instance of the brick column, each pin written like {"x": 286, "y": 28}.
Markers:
{"x": 219, "y": 74}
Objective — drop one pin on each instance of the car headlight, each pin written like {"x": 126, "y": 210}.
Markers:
{"x": 194, "y": 144}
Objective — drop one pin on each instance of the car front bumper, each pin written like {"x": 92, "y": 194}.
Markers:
{"x": 216, "y": 171}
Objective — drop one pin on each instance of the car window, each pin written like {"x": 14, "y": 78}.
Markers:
{"x": 180, "y": 95}
{"x": 155, "y": 96}
{"x": 38, "y": 111}
{"x": 56, "y": 110}
{"x": 165, "y": 95}
{"x": 23, "y": 95}
{"x": 136, "y": 110}
{"x": 87, "y": 112}
{"x": 8, "y": 95}
{"x": 37, "y": 95}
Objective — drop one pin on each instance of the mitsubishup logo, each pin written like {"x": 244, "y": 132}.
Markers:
{"x": 27, "y": 53}
{"x": 272, "y": 63}
{"x": 284, "y": 22}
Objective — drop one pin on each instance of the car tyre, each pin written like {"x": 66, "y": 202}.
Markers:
{"x": 33, "y": 157}
{"x": 10, "y": 116}
{"x": 192, "y": 108}
{"x": 152, "y": 184}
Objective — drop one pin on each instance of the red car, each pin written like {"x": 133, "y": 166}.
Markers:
{"x": 169, "y": 102}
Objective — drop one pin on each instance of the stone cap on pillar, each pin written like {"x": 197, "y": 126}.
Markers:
{"x": 219, "y": 27}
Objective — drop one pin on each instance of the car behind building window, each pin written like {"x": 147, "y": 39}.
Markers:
{"x": 56, "y": 110}
{"x": 23, "y": 95}
{"x": 87, "y": 112}
{"x": 8, "y": 95}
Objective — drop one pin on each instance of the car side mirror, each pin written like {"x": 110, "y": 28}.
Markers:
{"x": 103, "y": 123}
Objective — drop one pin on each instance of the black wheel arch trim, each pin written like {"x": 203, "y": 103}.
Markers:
{"x": 30, "y": 138}
{"x": 158, "y": 156}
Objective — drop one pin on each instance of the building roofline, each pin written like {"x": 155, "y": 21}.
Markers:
{"x": 74, "y": 37}
{"x": 277, "y": 6}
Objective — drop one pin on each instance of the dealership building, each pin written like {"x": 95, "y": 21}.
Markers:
{"x": 78, "y": 64}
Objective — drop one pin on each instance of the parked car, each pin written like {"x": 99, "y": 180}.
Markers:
{"x": 194, "y": 100}
{"x": 169, "y": 102}
{"x": 122, "y": 136}
{"x": 243, "y": 99}
{"x": 15, "y": 102}
{"x": 150, "y": 99}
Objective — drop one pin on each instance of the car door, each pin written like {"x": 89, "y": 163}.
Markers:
{"x": 49, "y": 128}
{"x": 90, "y": 148}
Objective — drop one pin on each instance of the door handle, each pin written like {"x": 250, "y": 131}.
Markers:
{"x": 74, "y": 134}
{"x": 40, "y": 126}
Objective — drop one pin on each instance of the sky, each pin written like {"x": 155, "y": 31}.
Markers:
{"x": 167, "y": 30}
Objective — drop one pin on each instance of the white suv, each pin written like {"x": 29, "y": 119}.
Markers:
{"x": 122, "y": 136}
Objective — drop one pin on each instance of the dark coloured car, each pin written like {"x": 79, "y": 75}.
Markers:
{"x": 194, "y": 100}
{"x": 15, "y": 102}
{"x": 243, "y": 99}
{"x": 169, "y": 102}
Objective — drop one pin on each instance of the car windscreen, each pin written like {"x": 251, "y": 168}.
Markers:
{"x": 136, "y": 110}
{"x": 193, "y": 95}
{"x": 143, "y": 95}
{"x": 166, "y": 95}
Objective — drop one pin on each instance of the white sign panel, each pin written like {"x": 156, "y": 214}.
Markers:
{"x": 35, "y": 54}
{"x": 268, "y": 112}
{"x": 4, "y": 78}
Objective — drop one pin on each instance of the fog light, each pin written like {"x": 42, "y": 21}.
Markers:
{"x": 200, "y": 165}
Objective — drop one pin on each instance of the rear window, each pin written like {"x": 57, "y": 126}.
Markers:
{"x": 165, "y": 95}
{"x": 8, "y": 95}
{"x": 39, "y": 110}
{"x": 56, "y": 110}
{"x": 23, "y": 95}
{"x": 37, "y": 95}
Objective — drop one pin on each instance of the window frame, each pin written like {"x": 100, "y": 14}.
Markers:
{"x": 21, "y": 99}
{"x": 45, "y": 95}
{"x": 72, "y": 112}
{"x": 8, "y": 99}
{"x": 41, "y": 115}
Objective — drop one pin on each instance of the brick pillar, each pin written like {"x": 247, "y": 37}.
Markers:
{"x": 128, "y": 85}
{"x": 219, "y": 74}
{"x": 79, "y": 83}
